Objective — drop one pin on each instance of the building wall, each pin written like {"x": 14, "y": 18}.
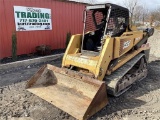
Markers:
{"x": 66, "y": 16}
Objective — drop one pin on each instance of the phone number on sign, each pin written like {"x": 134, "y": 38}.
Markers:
{"x": 33, "y": 20}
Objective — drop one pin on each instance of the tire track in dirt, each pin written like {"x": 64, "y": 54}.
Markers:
{"x": 141, "y": 102}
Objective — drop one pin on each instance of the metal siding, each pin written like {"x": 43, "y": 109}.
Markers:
{"x": 66, "y": 17}
{"x": 1, "y": 31}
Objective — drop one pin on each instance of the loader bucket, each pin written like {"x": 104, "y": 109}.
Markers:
{"x": 78, "y": 95}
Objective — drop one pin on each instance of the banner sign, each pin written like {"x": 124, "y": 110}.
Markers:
{"x": 32, "y": 18}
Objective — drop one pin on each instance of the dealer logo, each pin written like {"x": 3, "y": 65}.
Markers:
{"x": 126, "y": 44}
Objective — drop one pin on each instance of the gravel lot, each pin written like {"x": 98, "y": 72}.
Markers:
{"x": 141, "y": 102}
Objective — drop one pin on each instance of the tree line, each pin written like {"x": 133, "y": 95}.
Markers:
{"x": 141, "y": 14}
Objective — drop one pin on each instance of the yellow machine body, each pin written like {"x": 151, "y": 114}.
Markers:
{"x": 113, "y": 48}
{"x": 86, "y": 95}
{"x": 78, "y": 87}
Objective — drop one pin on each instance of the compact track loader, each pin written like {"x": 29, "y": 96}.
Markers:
{"x": 108, "y": 57}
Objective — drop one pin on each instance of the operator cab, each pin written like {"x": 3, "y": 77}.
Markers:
{"x": 99, "y": 21}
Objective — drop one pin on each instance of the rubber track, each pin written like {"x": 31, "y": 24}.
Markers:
{"x": 111, "y": 80}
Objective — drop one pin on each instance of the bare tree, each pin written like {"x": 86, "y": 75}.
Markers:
{"x": 141, "y": 13}
{"x": 155, "y": 16}
{"x": 138, "y": 13}
{"x": 131, "y": 5}
{"x": 145, "y": 14}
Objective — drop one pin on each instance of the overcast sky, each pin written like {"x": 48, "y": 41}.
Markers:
{"x": 151, "y": 4}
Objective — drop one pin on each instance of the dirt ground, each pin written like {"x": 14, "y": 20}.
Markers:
{"x": 141, "y": 102}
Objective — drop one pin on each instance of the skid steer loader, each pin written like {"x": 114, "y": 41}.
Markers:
{"x": 108, "y": 57}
